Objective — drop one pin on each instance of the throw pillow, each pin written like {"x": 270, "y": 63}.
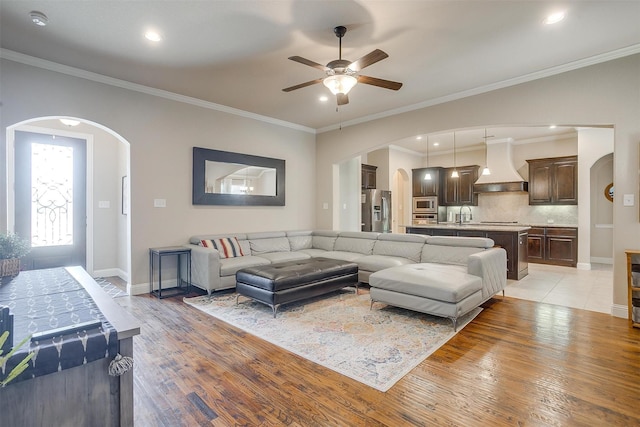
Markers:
{"x": 228, "y": 247}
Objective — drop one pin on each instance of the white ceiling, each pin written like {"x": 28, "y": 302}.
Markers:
{"x": 234, "y": 53}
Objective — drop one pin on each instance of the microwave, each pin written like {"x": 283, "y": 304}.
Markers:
{"x": 427, "y": 204}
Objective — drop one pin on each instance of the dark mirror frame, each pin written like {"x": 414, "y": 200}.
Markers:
{"x": 201, "y": 155}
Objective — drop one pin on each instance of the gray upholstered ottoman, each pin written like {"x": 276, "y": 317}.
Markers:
{"x": 438, "y": 289}
{"x": 290, "y": 281}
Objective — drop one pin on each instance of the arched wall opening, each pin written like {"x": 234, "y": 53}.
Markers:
{"x": 108, "y": 237}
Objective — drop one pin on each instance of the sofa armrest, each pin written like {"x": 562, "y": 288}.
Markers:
{"x": 491, "y": 266}
{"x": 205, "y": 268}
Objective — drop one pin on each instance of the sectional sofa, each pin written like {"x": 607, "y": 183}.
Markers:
{"x": 459, "y": 273}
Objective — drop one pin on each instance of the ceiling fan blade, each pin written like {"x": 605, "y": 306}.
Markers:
{"x": 342, "y": 98}
{"x": 387, "y": 84}
{"x": 301, "y": 85}
{"x": 308, "y": 62}
{"x": 368, "y": 59}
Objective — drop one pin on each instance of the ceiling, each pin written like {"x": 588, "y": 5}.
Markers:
{"x": 234, "y": 53}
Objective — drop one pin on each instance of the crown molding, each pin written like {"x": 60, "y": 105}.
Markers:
{"x": 547, "y": 72}
{"x": 100, "y": 78}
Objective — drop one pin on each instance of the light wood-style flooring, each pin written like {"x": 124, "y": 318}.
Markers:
{"x": 519, "y": 363}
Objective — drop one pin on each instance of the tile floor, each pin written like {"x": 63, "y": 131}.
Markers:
{"x": 586, "y": 289}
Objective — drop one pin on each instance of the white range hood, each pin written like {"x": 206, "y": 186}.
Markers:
{"x": 504, "y": 176}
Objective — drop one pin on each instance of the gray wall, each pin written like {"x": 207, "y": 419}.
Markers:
{"x": 603, "y": 94}
{"x": 161, "y": 133}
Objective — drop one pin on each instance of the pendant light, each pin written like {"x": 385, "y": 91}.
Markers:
{"x": 454, "y": 174}
{"x": 427, "y": 175}
{"x": 486, "y": 170}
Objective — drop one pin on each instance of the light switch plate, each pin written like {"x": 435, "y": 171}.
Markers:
{"x": 628, "y": 200}
{"x": 325, "y": 205}
{"x": 159, "y": 203}
{"x": 104, "y": 204}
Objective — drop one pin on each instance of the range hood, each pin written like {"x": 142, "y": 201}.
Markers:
{"x": 504, "y": 176}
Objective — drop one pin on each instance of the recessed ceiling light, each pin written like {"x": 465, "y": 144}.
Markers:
{"x": 418, "y": 138}
{"x": 323, "y": 98}
{"x": 153, "y": 36}
{"x": 552, "y": 127}
{"x": 435, "y": 144}
{"x": 70, "y": 122}
{"x": 38, "y": 18}
{"x": 554, "y": 18}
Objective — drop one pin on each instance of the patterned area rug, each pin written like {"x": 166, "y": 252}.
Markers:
{"x": 111, "y": 289}
{"x": 376, "y": 347}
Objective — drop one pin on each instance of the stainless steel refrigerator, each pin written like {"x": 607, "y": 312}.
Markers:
{"x": 376, "y": 210}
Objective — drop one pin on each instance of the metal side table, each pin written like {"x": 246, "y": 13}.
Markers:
{"x": 182, "y": 254}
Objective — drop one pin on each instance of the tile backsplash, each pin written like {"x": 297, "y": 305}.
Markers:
{"x": 509, "y": 207}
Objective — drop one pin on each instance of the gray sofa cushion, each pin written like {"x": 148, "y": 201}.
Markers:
{"x": 325, "y": 243}
{"x": 472, "y": 242}
{"x": 275, "y": 244}
{"x": 344, "y": 256}
{"x": 299, "y": 240}
{"x": 284, "y": 256}
{"x": 447, "y": 254}
{"x": 356, "y": 242}
{"x": 229, "y": 266}
{"x": 433, "y": 281}
{"x": 314, "y": 252}
{"x": 409, "y": 250}
{"x": 380, "y": 262}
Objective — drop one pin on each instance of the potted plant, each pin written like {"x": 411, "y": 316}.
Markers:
{"x": 12, "y": 248}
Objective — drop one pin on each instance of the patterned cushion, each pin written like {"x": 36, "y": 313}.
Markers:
{"x": 227, "y": 246}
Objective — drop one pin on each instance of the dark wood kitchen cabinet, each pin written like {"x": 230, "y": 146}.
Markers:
{"x": 553, "y": 245}
{"x": 423, "y": 187}
{"x": 368, "y": 176}
{"x": 553, "y": 181}
{"x": 459, "y": 191}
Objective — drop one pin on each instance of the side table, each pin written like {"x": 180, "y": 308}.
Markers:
{"x": 179, "y": 252}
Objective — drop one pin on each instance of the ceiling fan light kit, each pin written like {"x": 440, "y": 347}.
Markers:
{"x": 342, "y": 74}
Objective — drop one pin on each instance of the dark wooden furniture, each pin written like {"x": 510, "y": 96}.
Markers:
{"x": 513, "y": 241}
{"x": 84, "y": 395}
{"x": 459, "y": 191}
{"x": 183, "y": 257}
{"x": 553, "y": 245}
{"x": 368, "y": 176}
{"x": 422, "y": 187}
{"x": 633, "y": 284}
{"x": 290, "y": 281}
{"x": 553, "y": 181}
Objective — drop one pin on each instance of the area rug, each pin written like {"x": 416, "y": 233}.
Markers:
{"x": 338, "y": 331}
{"x": 112, "y": 290}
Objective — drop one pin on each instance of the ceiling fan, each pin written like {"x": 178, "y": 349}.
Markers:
{"x": 342, "y": 75}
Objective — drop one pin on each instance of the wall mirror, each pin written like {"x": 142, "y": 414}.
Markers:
{"x": 235, "y": 179}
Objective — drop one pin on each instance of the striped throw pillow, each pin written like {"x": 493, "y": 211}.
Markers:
{"x": 228, "y": 247}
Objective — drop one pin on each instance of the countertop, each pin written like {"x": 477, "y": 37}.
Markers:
{"x": 490, "y": 226}
{"x": 474, "y": 226}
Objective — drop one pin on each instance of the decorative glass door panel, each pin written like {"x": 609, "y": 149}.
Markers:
{"x": 50, "y": 199}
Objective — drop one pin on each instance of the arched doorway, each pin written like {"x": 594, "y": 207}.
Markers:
{"x": 108, "y": 226}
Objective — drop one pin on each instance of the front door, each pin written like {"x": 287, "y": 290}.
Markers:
{"x": 50, "y": 199}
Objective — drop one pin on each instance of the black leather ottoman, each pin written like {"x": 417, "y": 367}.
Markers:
{"x": 290, "y": 281}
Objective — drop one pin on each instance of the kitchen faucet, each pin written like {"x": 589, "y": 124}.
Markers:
{"x": 470, "y": 213}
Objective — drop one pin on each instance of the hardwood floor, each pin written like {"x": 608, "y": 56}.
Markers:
{"x": 518, "y": 363}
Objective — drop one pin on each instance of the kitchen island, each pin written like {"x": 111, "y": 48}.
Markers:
{"x": 512, "y": 237}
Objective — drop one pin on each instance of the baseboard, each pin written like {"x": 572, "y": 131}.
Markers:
{"x": 143, "y": 288}
{"x": 601, "y": 260}
{"x": 619, "y": 310}
{"x": 583, "y": 266}
{"x": 110, "y": 272}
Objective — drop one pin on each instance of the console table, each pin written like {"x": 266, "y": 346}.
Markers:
{"x": 182, "y": 254}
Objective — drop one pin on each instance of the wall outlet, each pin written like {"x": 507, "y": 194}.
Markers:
{"x": 159, "y": 203}
{"x": 628, "y": 200}
{"x": 550, "y": 221}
